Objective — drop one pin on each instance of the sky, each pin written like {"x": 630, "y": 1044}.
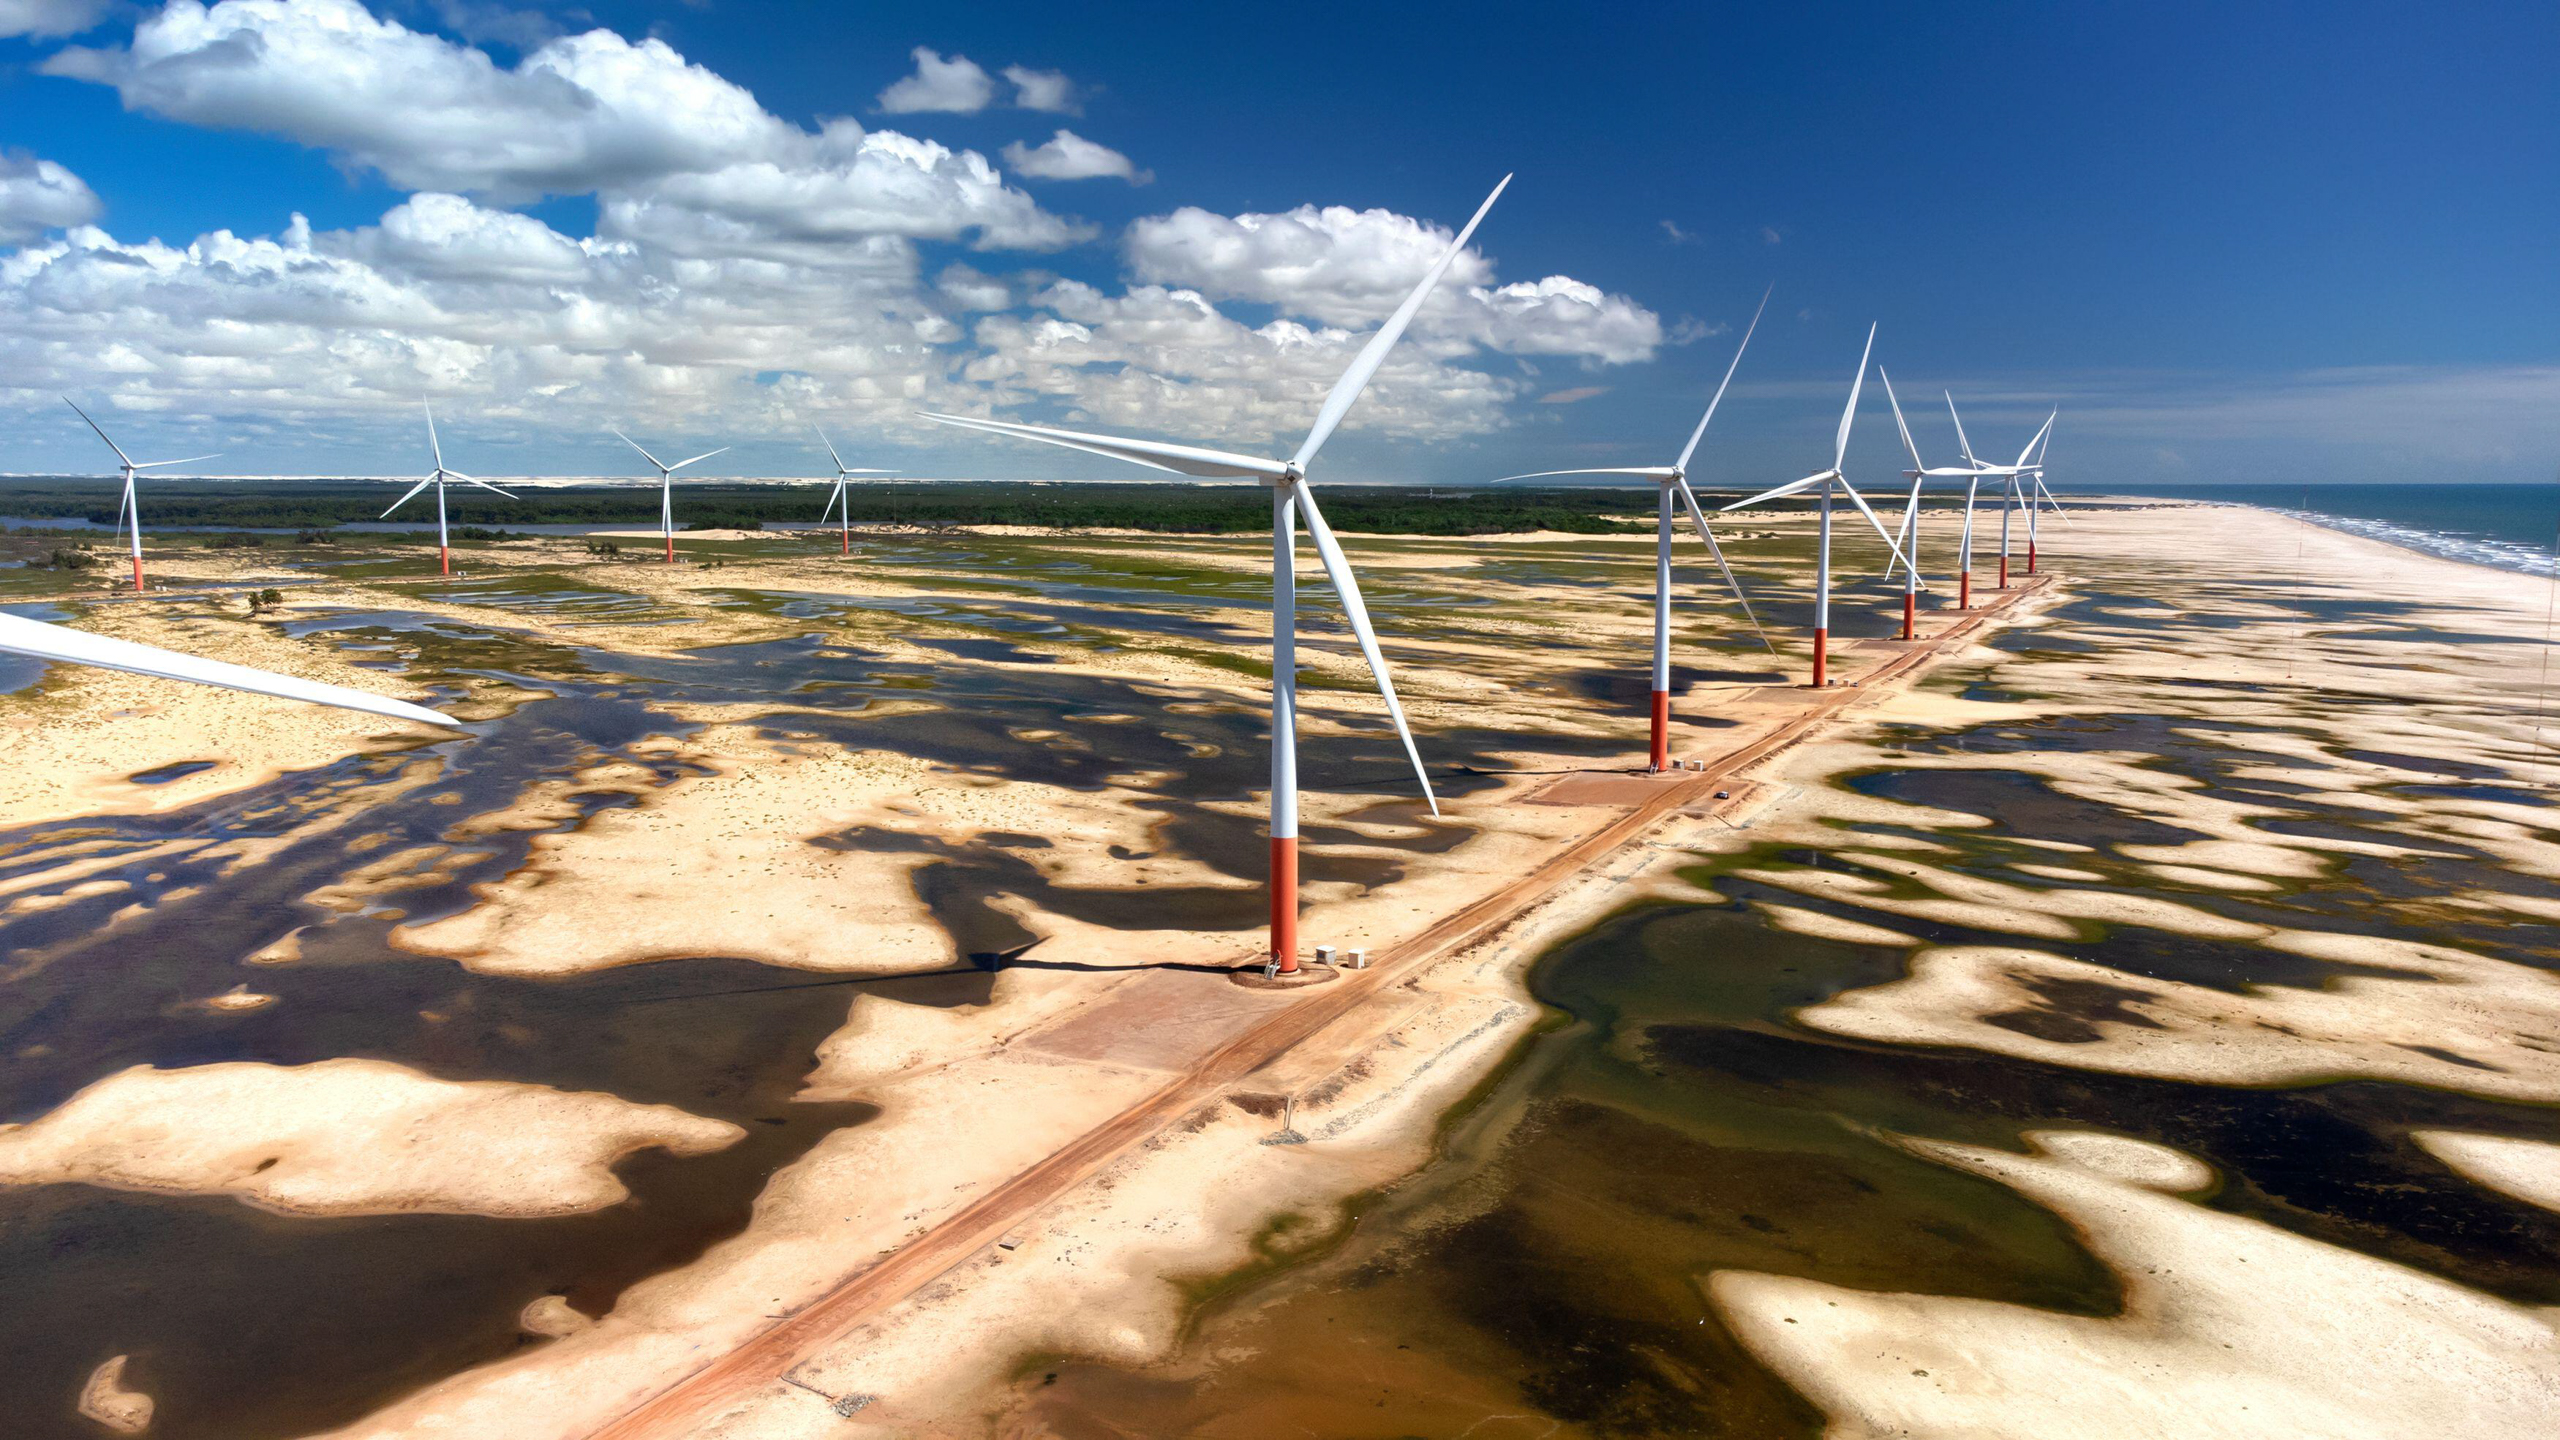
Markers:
{"x": 2266, "y": 242}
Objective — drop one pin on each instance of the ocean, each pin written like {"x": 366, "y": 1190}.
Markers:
{"x": 2509, "y": 526}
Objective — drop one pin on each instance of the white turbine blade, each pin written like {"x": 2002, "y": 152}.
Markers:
{"x": 2025, "y": 454}
{"x": 705, "y": 455}
{"x": 165, "y": 464}
{"x": 1374, "y": 354}
{"x": 1792, "y": 487}
{"x": 121, "y": 457}
{"x": 1338, "y": 568}
{"x": 2051, "y": 503}
{"x": 1917, "y": 465}
{"x": 861, "y": 470}
{"x": 432, "y": 442}
{"x": 833, "y": 496}
{"x": 1962, "y": 444}
{"x": 483, "y": 484}
{"x": 831, "y": 449}
{"x": 1881, "y": 533}
{"x": 1697, "y": 517}
{"x": 1155, "y": 454}
{"x": 412, "y": 495}
{"x": 22, "y": 636}
{"x": 1646, "y": 472}
{"x": 1840, "y": 446}
{"x": 636, "y": 445}
{"x": 1682, "y": 464}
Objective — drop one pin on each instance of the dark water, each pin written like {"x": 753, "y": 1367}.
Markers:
{"x": 2512, "y": 527}
{"x": 1544, "y": 1277}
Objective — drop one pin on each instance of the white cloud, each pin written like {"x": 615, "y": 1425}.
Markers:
{"x": 39, "y": 195}
{"x": 1069, "y": 156}
{"x": 967, "y": 289}
{"x": 1350, "y": 267}
{"x": 1047, "y": 90}
{"x": 48, "y": 18}
{"x": 957, "y": 86}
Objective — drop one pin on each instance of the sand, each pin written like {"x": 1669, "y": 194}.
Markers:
{"x": 2230, "y": 1327}
{"x": 2527, "y": 1169}
{"x": 107, "y": 1400}
{"x": 349, "y": 1137}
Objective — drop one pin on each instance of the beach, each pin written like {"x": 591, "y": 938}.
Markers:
{"x": 1016, "y": 823}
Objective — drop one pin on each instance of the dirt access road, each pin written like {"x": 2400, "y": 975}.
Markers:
{"x": 1293, "y": 1017}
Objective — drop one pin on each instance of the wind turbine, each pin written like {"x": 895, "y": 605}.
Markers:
{"x": 1919, "y": 471}
{"x": 840, "y": 496}
{"x": 2035, "y": 476}
{"x": 21, "y": 636}
{"x": 437, "y": 477}
{"x": 667, "y": 488}
{"x": 1291, "y": 497}
{"x": 1825, "y": 480}
{"x": 2008, "y": 476}
{"x": 129, "y": 510}
{"x": 1672, "y": 482}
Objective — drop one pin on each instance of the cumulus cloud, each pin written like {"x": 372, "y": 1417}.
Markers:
{"x": 39, "y": 195}
{"x": 1047, "y": 90}
{"x": 48, "y": 18}
{"x": 956, "y": 86}
{"x": 1069, "y": 156}
{"x": 1349, "y": 267}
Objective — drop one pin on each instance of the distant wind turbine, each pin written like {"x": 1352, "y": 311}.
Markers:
{"x": 21, "y": 636}
{"x": 1672, "y": 482}
{"x": 1909, "y": 560}
{"x": 840, "y": 495}
{"x": 2035, "y": 477}
{"x": 129, "y": 510}
{"x": 1291, "y": 497}
{"x": 2008, "y": 477}
{"x": 437, "y": 477}
{"x": 667, "y": 488}
{"x": 1825, "y": 480}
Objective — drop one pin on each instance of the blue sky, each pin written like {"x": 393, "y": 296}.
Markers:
{"x": 2264, "y": 242}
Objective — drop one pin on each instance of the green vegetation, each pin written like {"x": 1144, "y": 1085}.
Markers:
{"x": 71, "y": 557}
{"x": 310, "y": 506}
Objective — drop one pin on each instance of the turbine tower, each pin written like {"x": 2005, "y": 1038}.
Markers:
{"x": 1909, "y": 559}
{"x": 2035, "y": 477}
{"x": 129, "y": 511}
{"x": 1672, "y": 482}
{"x": 840, "y": 496}
{"x": 1824, "y": 481}
{"x": 666, "y": 488}
{"x": 437, "y": 477}
{"x": 1292, "y": 498}
{"x": 2008, "y": 476}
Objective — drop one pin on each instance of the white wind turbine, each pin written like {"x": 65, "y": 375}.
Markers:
{"x": 2035, "y": 476}
{"x": 437, "y": 477}
{"x": 666, "y": 488}
{"x": 1909, "y": 560}
{"x": 1291, "y": 497}
{"x": 21, "y": 636}
{"x": 840, "y": 496}
{"x": 1824, "y": 480}
{"x": 129, "y": 510}
{"x": 1672, "y": 482}
{"x": 2008, "y": 475}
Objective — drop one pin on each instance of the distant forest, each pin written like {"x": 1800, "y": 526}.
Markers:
{"x": 1222, "y": 510}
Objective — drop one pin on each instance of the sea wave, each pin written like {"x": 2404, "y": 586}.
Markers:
{"x": 2471, "y": 549}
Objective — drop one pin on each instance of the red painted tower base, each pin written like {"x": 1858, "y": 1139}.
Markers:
{"x": 848, "y": 542}
{"x": 2031, "y": 557}
{"x": 2004, "y": 572}
{"x": 1284, "y": 903}
{"x": 1821, "y": 657}
{"x": 1910, "y": 604}
{"x": 671, "y": 549}
{"x": 137, "y": 574}
{"x": 1661, "y": 730}
{"x": 1964, "y": 590}
{"x": 444, "y": 559}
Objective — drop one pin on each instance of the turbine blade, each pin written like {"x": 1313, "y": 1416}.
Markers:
{"x": 1919, "y": 471}
{"x": 2051, "y": 503}
{"x": 1339, "y": 569}
{"x": 1180, "y": 459}
{"x": 1840, "y": 446}
{"x": 165, "y": 464}
{"x": 412, "y": 495}
{"x": 1682, "y": 464}
{"x": 1792, "y": 487}
{"x": 1962, "y": 444}
{"x": 831, "y": 449}
{"x": 121, "y": 457}
{"x": 833, "y": 496}
{"x": 636, "y": 445}
{"x": 705, "y": 455}
{"x": 483, "y": 484}
{"x": 1698, "y": 518}
{"x": 2023, "y": 455}
{"x": 1881, "y": 533}
{"x": 22, "y": 636}
{"x": 1647, "y": 472}
{"x": 432, "y": 442}
{"x": 1374, "y": 354}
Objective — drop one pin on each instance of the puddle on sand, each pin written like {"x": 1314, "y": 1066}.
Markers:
{"x": 1542, "y": 1277}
